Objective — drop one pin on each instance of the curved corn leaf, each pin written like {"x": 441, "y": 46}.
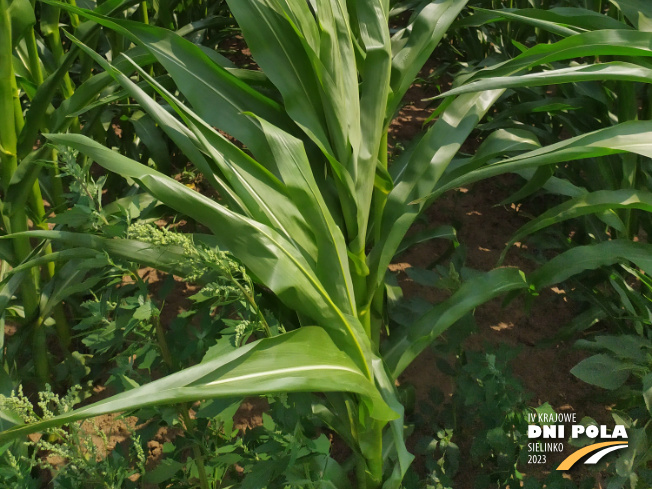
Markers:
{"x": 634, "y": 137}
{"x": 615, "y": 70}
{"x": 609, "y": 42}
{"x": 537, "y": 180}
{"x": 440, "y": 232}
{"x": 54, "y": 256}
{"x": 169, "y": 259}
{"x": 305, "y": 360}
{"x": 638, "y": 12}
{"x": 275, "y": 36}
{"x": 401, "y": 351}
{"x": 564, "y": 21}
{"x": 499, "y": 143}
{"x": 417, "y": 42}
{"x": 580, "y": 258}
{"x": 332, "y": 266}
{"x": 591, "y": 203}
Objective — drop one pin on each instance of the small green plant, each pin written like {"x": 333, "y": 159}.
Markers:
{"x": 73, "y": 456}
{"x": 622, "y": 364}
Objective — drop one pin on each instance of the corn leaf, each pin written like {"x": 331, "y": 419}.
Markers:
{"x": 590, "y": 203}
{"x": 615, "y": 70}
{"x": 608, "y": 42}
{"x": 634, "y": 137}
{"x": 590, "y": 257}
{"x": 417, "y": 42}
{"x": 305, "y": 360}
{"x": 638, "y": 12}
{"x": 276, "y": 42}
{"x": 402, "y": 350}
{"x": 417, "y": 173}
{"x": 563, "y": 21}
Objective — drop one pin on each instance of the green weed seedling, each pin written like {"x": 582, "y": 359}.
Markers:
{"x": 72, "y": 457}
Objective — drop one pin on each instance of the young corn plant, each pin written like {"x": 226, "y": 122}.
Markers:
{"x": 310, "y": 206}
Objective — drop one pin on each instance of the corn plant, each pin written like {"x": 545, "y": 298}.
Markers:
{"x": 311, "y": 207}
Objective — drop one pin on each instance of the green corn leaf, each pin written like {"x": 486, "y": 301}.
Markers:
{"x": 591, "y": 257}
{"x": 334, "y": 63}
{"x": 590, "y": 203}
{"x": 537, "y": 181}
{"x": 413, "y": 46}
{"x": 169, "y": 260}
{"x": 55, "y": 256}
{"x": 609, "y": 42}
{"x": 305, "y": 360}
{"x": 634, "y": 137}
{"x": 402, "y": 350}
{"x": 615, "y": 70}
{"x": 440, "y": 232}
{"x": 499, "y": 143}
{"x": 375, "y": 72}
{"x": 563, "y": 21}
{"x": 278, "y": 43}
{"x": 638, "y": 12}
{"x": 332, "y": 266}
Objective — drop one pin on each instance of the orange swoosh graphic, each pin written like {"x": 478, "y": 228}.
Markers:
{"x": 574, "y": 457}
